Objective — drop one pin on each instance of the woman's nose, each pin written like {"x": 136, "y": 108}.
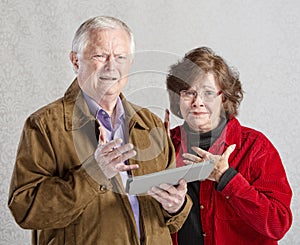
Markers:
{"x": 197, "y": 101}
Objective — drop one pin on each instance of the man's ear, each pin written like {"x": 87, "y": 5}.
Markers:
{"x": 74, "y": 60}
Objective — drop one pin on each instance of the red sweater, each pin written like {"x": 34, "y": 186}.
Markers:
{"x": 254, "y": 207}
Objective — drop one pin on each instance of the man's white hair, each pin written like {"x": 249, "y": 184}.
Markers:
{"x": 81, "y": 37}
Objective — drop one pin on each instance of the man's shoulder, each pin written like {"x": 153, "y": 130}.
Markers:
{"x": 50, "y": 110}
{"x": 57, "y": 106}
{"x": 139, "y": 113}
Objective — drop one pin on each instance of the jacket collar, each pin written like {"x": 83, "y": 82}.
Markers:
{"x": 231, "y": 133}
{"x": 132, "y": 114}
{"x": 77, "y": 113}
{"x": 76, "y": 110}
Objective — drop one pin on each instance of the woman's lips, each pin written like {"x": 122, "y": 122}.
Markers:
{"x": 198, "y": 113}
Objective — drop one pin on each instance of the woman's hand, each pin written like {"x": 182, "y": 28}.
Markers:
{"x": 167, "y": 121}
{"x": 220, "y": 162}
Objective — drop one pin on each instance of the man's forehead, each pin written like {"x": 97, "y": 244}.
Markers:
{"x": 109, "y": 38}
{"x": 109, "y": 34}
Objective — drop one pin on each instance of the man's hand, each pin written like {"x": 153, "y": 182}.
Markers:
{"x": 112, "y": 155}
{"x": 171, "y": 198}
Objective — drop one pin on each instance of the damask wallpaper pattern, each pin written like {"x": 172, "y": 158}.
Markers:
{"x": 260, "y": 38}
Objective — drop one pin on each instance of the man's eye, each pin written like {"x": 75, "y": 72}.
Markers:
{"x": 209, "y": 93}
{"x": 100, "y": 56}
{"x": 190, "y": 93}
{"x": 121, "y": 58}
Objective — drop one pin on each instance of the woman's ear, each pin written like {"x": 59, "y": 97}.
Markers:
{"x": 74, "y": 60}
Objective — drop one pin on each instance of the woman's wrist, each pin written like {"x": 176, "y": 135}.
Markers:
{"x": 225, "y": 178}
{"x": 219, "y": 174}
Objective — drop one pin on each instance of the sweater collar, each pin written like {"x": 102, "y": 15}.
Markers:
{"x": 231, "y": 134}
{"x": 203, "y": 140}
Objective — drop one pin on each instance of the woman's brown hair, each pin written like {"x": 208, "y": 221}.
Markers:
{"x": 201, "y": 61}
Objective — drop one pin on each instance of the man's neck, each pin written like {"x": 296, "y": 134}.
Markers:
{"x": 109, "y": 105}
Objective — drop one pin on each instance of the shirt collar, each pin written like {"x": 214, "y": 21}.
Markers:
{"x": 94, "y": 107}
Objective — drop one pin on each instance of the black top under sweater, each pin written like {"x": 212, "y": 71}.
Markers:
{"x": 191, "y": 232}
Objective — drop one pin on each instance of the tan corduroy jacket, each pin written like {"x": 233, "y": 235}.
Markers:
{"x": 59, "y": 192}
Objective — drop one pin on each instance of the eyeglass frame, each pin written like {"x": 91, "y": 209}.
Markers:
{"x": 194, "y": 95}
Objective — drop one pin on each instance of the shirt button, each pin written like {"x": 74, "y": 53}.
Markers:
{"x": 204, "y": 234}
{"x": 201, "y": 207}
{"x": 102, "y": 187}
{"x": 227, "y": 197}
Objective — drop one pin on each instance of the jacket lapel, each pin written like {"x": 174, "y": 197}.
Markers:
{"x": 79, "y": 121}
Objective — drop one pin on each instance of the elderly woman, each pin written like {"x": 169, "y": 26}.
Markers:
{"x": 246, "y": 199}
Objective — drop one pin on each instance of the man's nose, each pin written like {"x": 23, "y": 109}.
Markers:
{"x": 110, "y": 62}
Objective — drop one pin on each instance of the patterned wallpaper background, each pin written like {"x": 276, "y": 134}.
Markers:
{"x": 260, "y": 38}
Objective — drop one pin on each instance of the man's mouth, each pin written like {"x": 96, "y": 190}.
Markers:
{"x": 105, "y": 78}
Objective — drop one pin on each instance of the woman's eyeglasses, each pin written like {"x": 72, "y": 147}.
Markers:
{"x": 205, "y": 95}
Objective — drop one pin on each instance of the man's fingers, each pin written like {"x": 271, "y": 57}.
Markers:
{"x": 169, "y": 188}
{"x": 170, "y": 197}
{"x": 119, "y": 156}
{"x": 108, "y": 147}
{"x": 182, "y": 185}
{"x": 115, "y": 145}
{"x": 123, "y": 167}
{"x": 102, "y": 136}
{"x": 119, "y": 151}
{"x": 125, "y": 156}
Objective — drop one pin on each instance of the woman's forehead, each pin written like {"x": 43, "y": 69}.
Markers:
{"x": 206, "y": 80}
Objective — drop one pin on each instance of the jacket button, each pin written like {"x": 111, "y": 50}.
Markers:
{"x": 201, "y": 207}
{"x": 204, "y": 234}
{"x": 103, "y": 187}
{"x": 227, "y": 197}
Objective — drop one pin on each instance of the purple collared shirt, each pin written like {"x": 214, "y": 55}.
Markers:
{"x": 113, "y": 132}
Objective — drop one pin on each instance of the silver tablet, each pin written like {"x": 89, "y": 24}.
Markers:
{"x": 141, "y": 184}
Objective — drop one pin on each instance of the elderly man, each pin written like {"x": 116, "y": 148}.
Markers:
{"x": 76, "y": 154}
